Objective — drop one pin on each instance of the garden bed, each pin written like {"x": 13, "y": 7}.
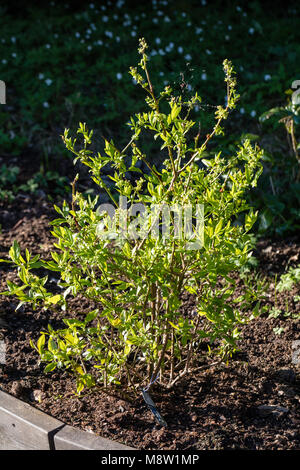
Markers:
{"x": 250, "y": 403}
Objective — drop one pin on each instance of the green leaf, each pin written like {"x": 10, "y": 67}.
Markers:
{"x": 54, "y": 299}
{"x": 52, "y": 346}
{"x": 50, "y": 367}
{"x": 91, "y": 316}
{"x": 175, "y": 111}
{"x": 40, "y": 343}
{"x": 265, "y": 220}
{"x": 80, "y": 386}
{"x": 174, "y": 326}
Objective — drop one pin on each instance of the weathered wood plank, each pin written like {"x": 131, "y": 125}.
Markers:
{"x": 23, "y": 427}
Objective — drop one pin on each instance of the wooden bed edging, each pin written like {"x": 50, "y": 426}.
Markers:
{"x": 23, "y": 427}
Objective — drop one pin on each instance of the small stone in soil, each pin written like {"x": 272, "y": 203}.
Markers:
{"x": 287, "y": 391}
{"x": 271, "y": 410}
{"x": 37, "y": 395}
{"x": 287, "y": 375}
{"x": 17, "y": 389}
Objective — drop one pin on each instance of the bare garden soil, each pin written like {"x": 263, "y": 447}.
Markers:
{"x": 251, "y": 403}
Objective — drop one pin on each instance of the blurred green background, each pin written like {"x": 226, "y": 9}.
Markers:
{"x": 64, "y": 63}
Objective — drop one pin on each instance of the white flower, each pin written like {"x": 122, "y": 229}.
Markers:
{"x": 105, "y": 18}
{"x": 153, "y": 52}
{"x": 183, "y": 14}
{"x": 159, "y": 13}
{"x": 108, "y": 34}
{"x": 14, "y": 54}
{"x": 119, "y": 76}
{"x": 188, "y": 57}
{"x": 267, "y": 77}
{"x": 229, "y": 27}
{"x": 242, "y": 111}
{"x": 161, "y": 74}
{"x": 253, "y": 113}
{"x": 77, "y": 35}
{"x": 89, "y": 48}
{"x": 167, "y": 19}
{"x": 199, "y": 30}
{"x": 88, "y": 31}
{"x": 13, "y": 39}
{"x": 41, "y": 76}
{"x": 161, "y": 52}
{"x": 251, "y": 30}
{"x": 238, "y": 8}
{"x": 155, "y": 20}
{"x": 48, "y": 81}
{"x": 204, "y": 76}
{"x": 203, "y": 2}
{"x": 208, "y": 52}
{"x": 227, "y": 37}
{"x": 118, "y": 38}
{"x": 180, "y": 49}
{"x": 99, "y": 42}
{"x": 4, "y": 61}
{"x": 46, "y": 104}
{"x": 92, "y": 5}
{"x": 115, "y": 17}
{"x": 47, "y": 46}
{"x": 157, "y": 40}
{"x": 133, "y": 33}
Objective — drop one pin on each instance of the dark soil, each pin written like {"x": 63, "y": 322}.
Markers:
{"x": 221, "y": 407}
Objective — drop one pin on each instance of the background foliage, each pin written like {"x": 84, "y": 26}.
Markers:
{"x": 64, "y": 63}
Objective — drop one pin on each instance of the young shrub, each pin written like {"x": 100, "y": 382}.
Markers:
{"x": 188, "y": 236}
